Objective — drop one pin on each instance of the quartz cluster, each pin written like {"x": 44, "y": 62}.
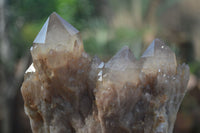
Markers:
{"x": 67, "y": 91}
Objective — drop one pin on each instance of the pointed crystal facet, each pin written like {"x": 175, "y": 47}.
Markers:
{"x": 157, "y": 48}
{"x": 30, "y": 69}
{"x": 150, "y": 50}
{"x": 125, "y": 53}
{"x": 159, "y": 56}
{"x": 41, "y": 37}
{"x": 123, "y": 67}
{"x": 72, "y": 31}
{"x": 57, "y": 35}
{"x": 121, "y": 60}
{"x": 59, "y": 31}
{"x": 56, "y": 31}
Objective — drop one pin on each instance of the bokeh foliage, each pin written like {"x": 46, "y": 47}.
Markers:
{"x": 106, "y": 26}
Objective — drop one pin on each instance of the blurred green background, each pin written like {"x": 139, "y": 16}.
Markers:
{"x": 106, "y": 26}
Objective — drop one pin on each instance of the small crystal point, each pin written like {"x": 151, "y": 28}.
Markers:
{"x": 150, "y": 50}
{"x": 158, "y": 55}
{"x": 30, "y": 69}
{"x": 157, "y": 48}
{"x": 123, "y": 67}
{"x": 124, "y": 55}
{"x": 55, "y": 31}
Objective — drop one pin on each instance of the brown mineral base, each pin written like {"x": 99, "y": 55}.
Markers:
{"x": 67, "y": 91}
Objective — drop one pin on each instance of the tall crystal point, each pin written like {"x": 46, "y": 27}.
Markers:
{"x": 55, "y": 25}
{"x": 56, "y": 93}
{"x": 65, "y": 91}
{"x": 56, "y": 34}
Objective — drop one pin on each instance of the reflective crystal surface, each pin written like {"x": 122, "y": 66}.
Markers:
{"x": 30, "y": 69}
{"x": 159, "y": 57}
{"x": 67, "y": 91}
{"x": 56, "y": 34}
{"x": 120, "y": 68}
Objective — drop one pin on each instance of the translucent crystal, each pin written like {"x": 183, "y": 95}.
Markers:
{"x": 116, "y": 93}
{"x": 150, "y": 50}
{"x": 55, "y": 25}
{"x": 64, "y": 90}
{"x": 56, "y": 34}
{"x": 122, "y": 66}
{"x": 41, "y": 37}
{"x": 121, "y": 60}
{"x": 54, "y": 86}
{"x": 159, "y": 58}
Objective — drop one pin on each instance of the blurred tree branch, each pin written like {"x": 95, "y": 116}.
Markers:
{"x": 10, "y": 78}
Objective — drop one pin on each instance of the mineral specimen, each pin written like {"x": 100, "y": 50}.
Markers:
{"x": 67, "y": 91}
